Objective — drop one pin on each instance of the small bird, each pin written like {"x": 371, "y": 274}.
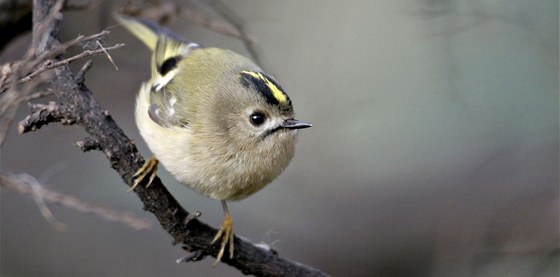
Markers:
{"x": 213, "y": 118}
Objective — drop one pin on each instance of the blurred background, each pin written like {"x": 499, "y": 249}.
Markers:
{"x": 434, "y": 147}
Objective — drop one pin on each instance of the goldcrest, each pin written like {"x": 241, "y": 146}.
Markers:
{"x": 213, "y": 118}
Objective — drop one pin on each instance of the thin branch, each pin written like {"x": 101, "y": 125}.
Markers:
{"x": 42, "y": 115}
{"x": 12, "y": 94}
{"x": 81, "y": 75}
{"x": 12, "y": 72}
{"x": 27, "y": 184}
{"x": 86, "y": 53}
{"x": 229, "y": 15}
{"x": 35, "y": 95}
{"x": 45, "y": 25}
{"x": 104, "y": 49}
{"x": 37, "y": 190}
{"x": 163, "y": 12}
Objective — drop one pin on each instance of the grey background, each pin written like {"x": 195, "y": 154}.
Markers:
{"x": 434, "y": 150}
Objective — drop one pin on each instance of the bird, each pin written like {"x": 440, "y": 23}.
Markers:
{"x": 215, "y": 120}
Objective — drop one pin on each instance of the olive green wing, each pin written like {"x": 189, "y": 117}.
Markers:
{"x": 168, "y": 49}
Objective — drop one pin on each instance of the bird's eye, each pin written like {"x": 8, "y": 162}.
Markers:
{"x": 257, "y": 118}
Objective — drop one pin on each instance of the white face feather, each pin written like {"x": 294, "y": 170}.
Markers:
{"x": 162, "y": 81}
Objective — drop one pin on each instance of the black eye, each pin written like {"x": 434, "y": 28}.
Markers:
{"x": 257, "y": 118}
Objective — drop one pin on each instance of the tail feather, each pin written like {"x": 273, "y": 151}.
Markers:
{"x": 167, "y": 47}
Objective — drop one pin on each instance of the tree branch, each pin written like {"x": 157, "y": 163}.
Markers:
{"x": 76, "y": 105}
{"x": 26, "y": 184}
{"x": 43, "y": 115}
{"x": 69, "y": 60}
{"x": 11, "y": 72}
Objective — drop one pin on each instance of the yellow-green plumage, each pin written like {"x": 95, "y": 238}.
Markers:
{"x": 212, "y": 117}
{"x": 206, "y": 142}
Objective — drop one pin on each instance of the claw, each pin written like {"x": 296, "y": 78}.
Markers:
{"x": 148, "y": 169}
{"x": 226, "y": 234}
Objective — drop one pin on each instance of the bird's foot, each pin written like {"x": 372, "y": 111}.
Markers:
{"x": 149, "y": 169}
{"x": 226, "y": 235}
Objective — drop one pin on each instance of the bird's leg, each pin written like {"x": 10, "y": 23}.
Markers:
{"x": 226, "y": 233}
{"x": 149, "y": 169}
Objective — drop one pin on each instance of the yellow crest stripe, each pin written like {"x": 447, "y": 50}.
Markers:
{"x": 278, "y": 94}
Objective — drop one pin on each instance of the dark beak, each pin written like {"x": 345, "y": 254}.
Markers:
{"x": 295, "y": 124}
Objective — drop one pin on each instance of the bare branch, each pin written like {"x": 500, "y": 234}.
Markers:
{"x": 237, "y": 22}
{"x": 39, "y": 199}
{"x": 165, "y": 11}
{"x": 107, "y": 53}
{"x": 11, "y": 91}
{"x": 50, "y": 65}
{"x": 36, "y": 95}
{"x": 81, "y": 75}
{"x": 42, "y": 115}
{"x": 12, "y": 72}
{"x": 27, "y": 184}
{"x": 87, "y": 53}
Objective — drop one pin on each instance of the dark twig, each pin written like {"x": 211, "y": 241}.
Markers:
{"x": 192, "y": 216}
{"x": 50, "y": 65}
{"x": 42, "y": 115}
{"x": 81, "y": 75}
{"x": 11, "y": 90}
{"x": 30, "y": 67}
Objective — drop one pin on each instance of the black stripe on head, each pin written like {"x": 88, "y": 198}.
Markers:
{"x": 168, "y": 65}
{"x": 270, "y": 90}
